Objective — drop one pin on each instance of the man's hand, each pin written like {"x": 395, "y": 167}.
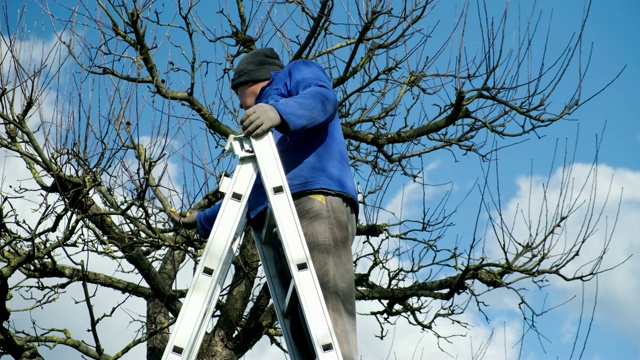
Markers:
{"x": 186, "y": 218}
{"x": 258, "y": 119}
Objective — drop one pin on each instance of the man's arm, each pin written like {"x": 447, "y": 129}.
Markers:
{"x": 310, "y": 99}
{"x": 204, "y": 219}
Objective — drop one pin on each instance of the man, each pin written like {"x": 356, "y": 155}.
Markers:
{"x": 298, "y": 103}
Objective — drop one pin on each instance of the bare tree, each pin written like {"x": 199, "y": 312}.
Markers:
{"x": 131, "y": 89}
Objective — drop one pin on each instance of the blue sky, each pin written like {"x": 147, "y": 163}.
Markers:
{"x": 612, "y": 28}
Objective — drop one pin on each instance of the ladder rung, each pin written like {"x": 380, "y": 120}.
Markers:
{"x": 268, "y": 229}
{"x": 290, "y": 298}
{"x": 291, "y": 291}
{"x": 225, "y": 184}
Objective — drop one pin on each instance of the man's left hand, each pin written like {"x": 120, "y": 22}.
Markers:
{"x": 186, "y": 219}
{"x": 258, "y": 119}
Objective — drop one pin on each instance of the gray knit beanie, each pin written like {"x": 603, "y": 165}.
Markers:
{"x": 256, "y": 66}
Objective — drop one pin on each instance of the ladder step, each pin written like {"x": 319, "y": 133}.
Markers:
{"x": 268, "y": 229}
{"x": 290, "y": 299}
{"x": 291, "y": 291}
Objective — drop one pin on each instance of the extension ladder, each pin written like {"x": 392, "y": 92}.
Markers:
{"x": 298, "y": 288}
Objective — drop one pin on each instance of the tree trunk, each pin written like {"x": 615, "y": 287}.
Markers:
{"x": 157, "y": 315}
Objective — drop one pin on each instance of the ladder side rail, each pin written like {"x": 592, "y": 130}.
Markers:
{"x": 295, "y": 248}
{"x": 213, "y": 266}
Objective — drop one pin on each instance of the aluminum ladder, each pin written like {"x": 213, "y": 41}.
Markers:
{"x": 299, "y": 288}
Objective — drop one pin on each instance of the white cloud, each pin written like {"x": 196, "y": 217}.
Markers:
{"x": 616, "y": 288}
{"x": 613, "y": 188}
{"x": 604, "y": 190}
{"x": 499, "y": 339}
{"x": 405, "y": 341}
{"x": 66, "y": 312}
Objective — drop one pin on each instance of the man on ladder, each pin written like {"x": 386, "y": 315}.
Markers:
{"x": 298, "y": 103}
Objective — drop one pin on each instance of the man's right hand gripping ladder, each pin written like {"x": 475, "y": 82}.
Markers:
{"x": 299, "y": 289}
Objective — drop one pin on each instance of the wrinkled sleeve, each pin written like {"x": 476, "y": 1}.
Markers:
{"x": 206, "y": 218}
{"x": 309, "y": 99}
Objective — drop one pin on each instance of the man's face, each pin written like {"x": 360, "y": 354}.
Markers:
{"x": 248, "y": 93}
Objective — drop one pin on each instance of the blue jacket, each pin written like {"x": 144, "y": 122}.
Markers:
{"x": 312, "y": 149}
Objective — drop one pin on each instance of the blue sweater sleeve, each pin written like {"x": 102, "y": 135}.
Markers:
{"x": 206, "y": 218}
{"x": 308, "y": 98}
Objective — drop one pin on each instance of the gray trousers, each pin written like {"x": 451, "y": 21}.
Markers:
{"x": 329, "y": 227}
